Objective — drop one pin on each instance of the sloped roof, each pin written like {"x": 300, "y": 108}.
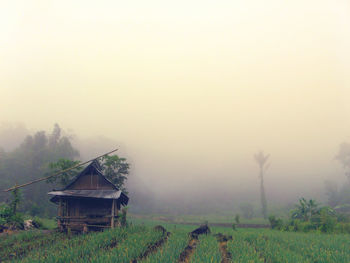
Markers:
{"x": 102, "y": 194}
{"x": 93, "y": 168}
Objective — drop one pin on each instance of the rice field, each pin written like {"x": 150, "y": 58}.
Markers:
{"x": 141, "y": 243}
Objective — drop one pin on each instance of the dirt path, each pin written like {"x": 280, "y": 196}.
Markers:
{"x": 225, "y": 255}
{"x": 188, "y": 251}
{"x": 152, "y": 248}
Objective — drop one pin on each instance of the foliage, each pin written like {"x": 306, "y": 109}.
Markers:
{"x": 273, "y": 246}
{"x": 207, "y": 250}
{"x": 115, "y": 245}
{"x": 308, "y": 216}
{"x": 60, "y": 165}
{"x": 130, "y": 243}
{"x": 172, "y": 249}
{"x": 305, "y": 210}
{"x": 9, "y": 214}
{"x": 113, "y": 167}
{"x": 116, "y": 169}
{"x": 29, "y": 161}
{"x": 38, "y": 223}
{"x": 5, "y": 213}
{"x": 276, "y": 223}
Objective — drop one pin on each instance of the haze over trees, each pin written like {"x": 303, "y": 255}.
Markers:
{"x": 30, "y": 161}
{"x": 43, "y": 153}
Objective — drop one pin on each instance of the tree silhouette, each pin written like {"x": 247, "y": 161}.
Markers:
{"x": 261, "y": 159}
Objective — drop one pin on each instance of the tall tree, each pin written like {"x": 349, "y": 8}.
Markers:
{"x": 343, "y": 157}
{"x": 262, "y": 160}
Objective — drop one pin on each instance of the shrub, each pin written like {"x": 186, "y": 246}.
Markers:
{"x": 234, "y": 226}
{"x": 16, "y": 221}
{"x": 276, "y": 223}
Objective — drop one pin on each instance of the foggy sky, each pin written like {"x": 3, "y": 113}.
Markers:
{"x": 189, "y": 90}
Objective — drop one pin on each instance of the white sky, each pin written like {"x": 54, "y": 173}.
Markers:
{"x": 195, "y": 84}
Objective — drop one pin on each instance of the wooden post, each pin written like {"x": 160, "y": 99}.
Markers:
{"x": 117, "y": 215}
{"x": 113, "y": 213}
{"x": 60, "y": 214}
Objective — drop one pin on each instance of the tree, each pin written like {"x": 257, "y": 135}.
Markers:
{"x": 62, "y": 164}
{"x": 261, "y": 159}
{"x": 305, "y": 210}
{"x": 30, "y": 161}
{"x": 116, "y": 169}
{"x": 343, "y": 157}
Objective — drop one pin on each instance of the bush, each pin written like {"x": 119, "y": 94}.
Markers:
{"x": 234, "y": 226}
{"x": 5, "y": 214}
{"x": 16, "y": 221}
{"x": 276, "y": 223}
{"x": 328, "y": 224}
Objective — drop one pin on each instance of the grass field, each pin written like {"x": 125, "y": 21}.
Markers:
{"x": 140, "y": 242}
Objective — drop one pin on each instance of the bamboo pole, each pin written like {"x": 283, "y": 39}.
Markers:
{"x": 61, "y": 172}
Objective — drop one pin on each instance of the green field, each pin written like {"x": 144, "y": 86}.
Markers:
{"x": 140, "y": 242}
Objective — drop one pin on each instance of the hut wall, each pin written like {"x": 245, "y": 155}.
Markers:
{"x": 95, "y": 207}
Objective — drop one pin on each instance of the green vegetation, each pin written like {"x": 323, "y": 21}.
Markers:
{"x": 172, "y": 249}
{"x": 272, "y": 246}
{"x": 308, "y": 216}
{"x": 207, "y": 250}
{"x": 18, "y": 245}
{"x": 141, "y": 243}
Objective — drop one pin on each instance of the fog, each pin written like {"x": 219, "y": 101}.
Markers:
{"x": 188, "y": 91}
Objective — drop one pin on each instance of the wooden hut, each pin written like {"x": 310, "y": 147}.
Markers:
{"x": 90, "y": 201}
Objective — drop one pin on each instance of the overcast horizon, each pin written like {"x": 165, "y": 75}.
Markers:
{"x": 189, "y": 90}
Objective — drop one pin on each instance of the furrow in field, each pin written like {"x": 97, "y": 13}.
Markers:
{"x": 225, "y": 254}
{"x": 189, "y": 250}
{"x": 207, "y": 250}
{"x": 22, "y": 247}
{"x": 153, "y": 247}
{"x": 128, "y": 250}
{"x": 81, "y": 248}
{"x": 171, "y": 250}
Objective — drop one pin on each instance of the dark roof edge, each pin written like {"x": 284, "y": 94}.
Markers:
{"x": 96, "y": 166}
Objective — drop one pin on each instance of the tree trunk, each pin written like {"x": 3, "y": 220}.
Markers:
{"x": 262, "y": 194}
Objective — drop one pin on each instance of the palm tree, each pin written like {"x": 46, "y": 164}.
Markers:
{"x": 261, "y": 160}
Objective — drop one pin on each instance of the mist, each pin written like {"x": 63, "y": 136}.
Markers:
{"x": 188, "y": 92}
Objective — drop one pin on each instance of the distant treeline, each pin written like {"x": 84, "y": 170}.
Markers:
{"x": 29, "y": 161}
